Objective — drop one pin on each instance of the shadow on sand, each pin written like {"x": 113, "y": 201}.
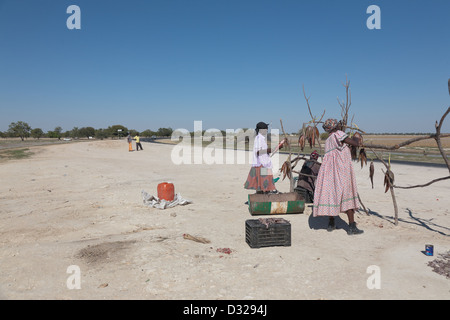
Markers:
{"x": 425, "y": 223}
{"x": 318, "y": 223}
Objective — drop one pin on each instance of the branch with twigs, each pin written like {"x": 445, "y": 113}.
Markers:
{"x": 287, "y": 167}
{"x": 389, "y": 174}
{"x": 309, "y": 109}
{"x": 345, "y": 106}
{"x": 405, "y": 143}
{"x": 308, "y": 132}
{"x": 389, "y": 182}
{"x": 437, "y": 137}
{"x": 423, "y": 185}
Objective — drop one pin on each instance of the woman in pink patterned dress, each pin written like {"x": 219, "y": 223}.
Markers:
{"x": 336, "y": 190}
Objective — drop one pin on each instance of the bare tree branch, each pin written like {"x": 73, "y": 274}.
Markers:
{"x": 423, "y": 185}
{"x": 438, "y": 138}
{"x": 314, "y": 122}
{"x": 289, "y": 168}
{"x": 345, "y": 106}
{"x": 404, "y": 143}
{"x": 391, "y": 187}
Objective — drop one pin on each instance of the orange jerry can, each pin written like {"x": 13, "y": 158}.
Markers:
{"x": 166, "y": 191}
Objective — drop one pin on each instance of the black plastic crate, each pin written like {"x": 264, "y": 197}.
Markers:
{"x": 273, "y": 232}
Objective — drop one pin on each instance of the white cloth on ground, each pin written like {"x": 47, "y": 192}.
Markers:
{"x": 152, "y": 201}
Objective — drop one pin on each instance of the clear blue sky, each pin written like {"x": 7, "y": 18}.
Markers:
{"x": 230, "y": 63}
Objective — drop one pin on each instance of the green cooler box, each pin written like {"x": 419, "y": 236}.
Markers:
{"x": 279, "y": 203}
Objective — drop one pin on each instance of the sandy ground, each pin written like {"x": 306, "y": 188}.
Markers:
{"x": 79, "y": 204}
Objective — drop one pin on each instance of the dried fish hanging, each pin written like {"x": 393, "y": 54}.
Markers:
{"x": 286, "y": 170}
{"x": 371, "y": 172}
{"x": 362, "y": 157}
{"x": 309, "y": 134}
{"x": 388, "y": 176}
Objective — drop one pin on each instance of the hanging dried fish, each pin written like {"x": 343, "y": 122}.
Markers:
{"x": 286, "y": 170}
{"x": 362, "y": 157}
{"x": 314, "y": 136}
{"x": 371, "y": 172}
{"x": 308, "y": 132}
{"x": 301, "y": 142}
{"x": 316, "y": 132}
{"x": 388, "y": 180}
{"x": 309, "y": 135}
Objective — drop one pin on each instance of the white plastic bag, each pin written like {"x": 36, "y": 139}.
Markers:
{"x": 155, "y": 202}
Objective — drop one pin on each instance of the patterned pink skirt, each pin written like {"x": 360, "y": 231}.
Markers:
{"x": 336, "y": 189}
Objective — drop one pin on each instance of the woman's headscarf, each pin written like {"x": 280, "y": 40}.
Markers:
{"x": 314, "y": 155}
{"x": 330, "y": 125}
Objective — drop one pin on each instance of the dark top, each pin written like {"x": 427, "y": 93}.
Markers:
{"x": 310, "y": 168}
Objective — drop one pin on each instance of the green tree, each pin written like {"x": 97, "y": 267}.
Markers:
{"x": 19, "y": 129}
{"x": 113, "y": 131}
{"x": 74, "y": 133}
{"x": 58, "y": 132}
{"x": 101, "y": 134}
{"x": 37, "y": 133}
{"x": 87, "y": 132}
{"x": 148, "y": 133}
{"x": 133, "y": 132}
{"x": 164, "y": 132}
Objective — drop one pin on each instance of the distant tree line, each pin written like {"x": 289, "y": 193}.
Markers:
{"x": 23, "y": 130}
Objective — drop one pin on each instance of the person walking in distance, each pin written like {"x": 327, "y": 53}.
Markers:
{"x": 130, "y": 140}
{"x": 138, "y": 142}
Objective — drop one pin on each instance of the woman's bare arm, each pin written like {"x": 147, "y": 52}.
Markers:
{"x": 355, "y": 141}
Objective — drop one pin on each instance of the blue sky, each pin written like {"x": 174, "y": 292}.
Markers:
{"x": 166, "y": 63}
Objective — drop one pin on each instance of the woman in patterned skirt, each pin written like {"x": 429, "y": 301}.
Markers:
{"x": 336, "y": 190}
{"x": 260, "y": 177}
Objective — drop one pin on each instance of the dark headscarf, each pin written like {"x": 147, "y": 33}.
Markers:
{"x": 261, "y": 125}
